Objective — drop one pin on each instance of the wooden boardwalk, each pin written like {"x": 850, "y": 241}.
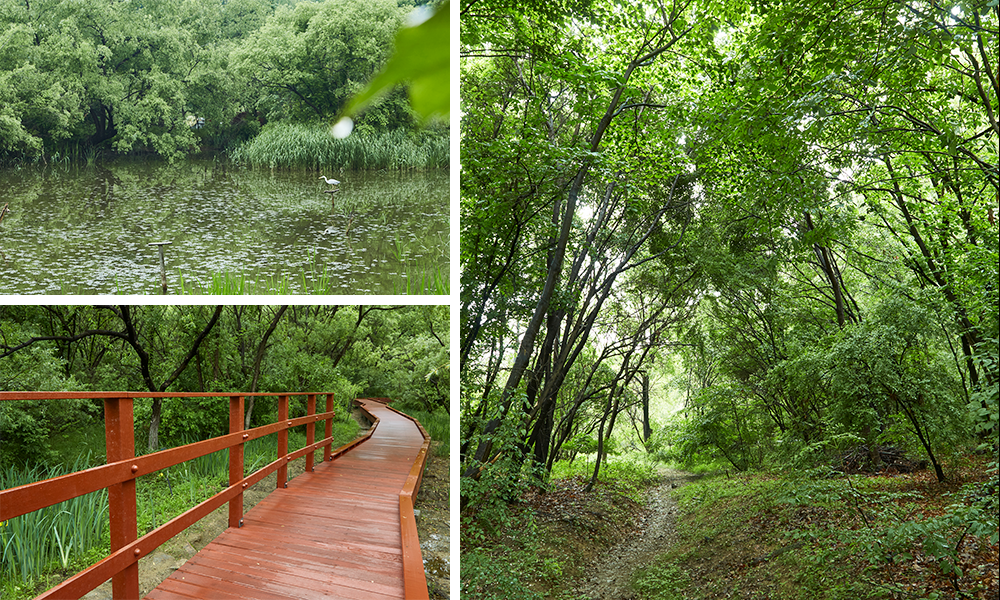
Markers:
{"x": 332, "y": 533}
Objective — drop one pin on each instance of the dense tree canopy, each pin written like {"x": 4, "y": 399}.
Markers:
{"x": 791, "y": 206}
{"x": 131, "y": 76}
{"x": 377, "y": 351}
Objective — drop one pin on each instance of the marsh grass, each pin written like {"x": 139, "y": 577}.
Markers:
{"x": 422, "y": 279}
{"x": 419, "y": 279}
{"x": 438, "y": 426}
{"x": 310, "y": 146}
{"x": 228, "y": 283}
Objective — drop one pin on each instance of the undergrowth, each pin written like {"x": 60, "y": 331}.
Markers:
{"x": 437, "y": 424}
{"x": 518, "y": 540}
{"x": 778, "y": 536}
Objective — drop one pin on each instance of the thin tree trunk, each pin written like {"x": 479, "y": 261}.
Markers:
{"x": 258, "y": 360}
{"x": 647, "y": 431}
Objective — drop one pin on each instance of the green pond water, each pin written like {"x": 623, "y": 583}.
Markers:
{"x": 88, "y": 229}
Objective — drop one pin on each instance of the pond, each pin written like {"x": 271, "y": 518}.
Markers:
{"x": 89, "y": 229}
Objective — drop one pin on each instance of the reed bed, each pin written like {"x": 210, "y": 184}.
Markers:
{"x": 420, "y": 279}
{"x": 310, "y": 146}
{"x": 423, "y": 279}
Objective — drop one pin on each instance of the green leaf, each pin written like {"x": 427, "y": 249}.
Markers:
{"x": 422, "y": 58}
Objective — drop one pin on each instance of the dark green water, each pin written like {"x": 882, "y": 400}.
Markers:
{"x": 87, "y": 230}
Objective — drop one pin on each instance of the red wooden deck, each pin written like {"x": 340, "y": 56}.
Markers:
{"x": 332, "y": 533}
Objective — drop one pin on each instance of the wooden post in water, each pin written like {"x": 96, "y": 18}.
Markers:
{"x": 333, "y": 199}
{"x": 163, "y": 266}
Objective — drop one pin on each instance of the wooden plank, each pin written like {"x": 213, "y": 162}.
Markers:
{"x": 334, "y": 532}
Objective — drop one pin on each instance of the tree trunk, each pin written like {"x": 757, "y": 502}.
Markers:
{"x": 647, "y": 431}
{"x": 258, "y": 359}
{"x": 922, "y": 434}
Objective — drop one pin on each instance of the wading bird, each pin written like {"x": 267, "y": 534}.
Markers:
{"x": 333, "y": 201}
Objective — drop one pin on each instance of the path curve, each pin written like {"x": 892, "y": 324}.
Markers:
{"x": 612, "y": 571}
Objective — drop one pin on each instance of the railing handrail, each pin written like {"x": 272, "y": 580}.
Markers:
{"x": 101, "y": 395}
{"x": 119, "y": 474}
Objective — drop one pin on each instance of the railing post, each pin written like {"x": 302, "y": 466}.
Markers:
{"x": 236, "y": 460}
{"x": 310, "y": 429}
{"x": 119, "y": 438}
{"x": 328, "y": 449}
{"x": 282, "y": 442}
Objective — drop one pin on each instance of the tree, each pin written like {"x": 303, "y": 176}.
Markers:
{"x": 310, "y": 59}
{"x": 575, "y": 149}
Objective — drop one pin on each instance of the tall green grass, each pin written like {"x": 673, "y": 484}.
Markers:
{"x": 55, "y": 534}
{"x": 423, "y": 279}
{"x": 310, "y": 146}
{"x": 420, "y": 279}
{"x": 240, "y": 284}
{"x": 437, "y": 424}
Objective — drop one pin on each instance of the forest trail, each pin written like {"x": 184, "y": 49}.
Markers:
{"x": 612, "y": 570}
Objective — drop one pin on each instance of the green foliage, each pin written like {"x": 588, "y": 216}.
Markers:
{"x": 487, "y": 512}
{"x": 307, "y": 60}
{"x": 581, "y": 443}
{"x": 973, "y": 515}
{"x": 422, "y": 58}
{"x": 84, "y": 79}
{"x": 486, "y": 577}
{"x": 984, "y": 403}
{"x": 631, "y": 475}
{"x": 437, "y": 424}
{"x": 311, "y": 146}
{"x": 661, "y": 580}
{"x": 27, "y": 429}
{"x": 423, "y": 280}
{"x": 30, "y": 543}
{"x": 192, "y": 419}
{"x": 486, "y": 497}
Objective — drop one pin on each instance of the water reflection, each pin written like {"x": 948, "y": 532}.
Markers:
{"x": 88, "y": 229}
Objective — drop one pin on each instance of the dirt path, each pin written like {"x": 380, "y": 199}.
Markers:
{"x": 612, "y": 570}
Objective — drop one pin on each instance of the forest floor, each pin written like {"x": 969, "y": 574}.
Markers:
{"x": 764, "y": 535}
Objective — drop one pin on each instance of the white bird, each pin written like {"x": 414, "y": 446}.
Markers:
{"x": 329, "y": 181}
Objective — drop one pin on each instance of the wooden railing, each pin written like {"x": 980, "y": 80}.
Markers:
{"x": 414, "y": 576}
{"x": 123, "y": 467}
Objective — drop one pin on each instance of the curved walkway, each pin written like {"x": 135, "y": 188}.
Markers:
{"x": 332, "y": 533}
